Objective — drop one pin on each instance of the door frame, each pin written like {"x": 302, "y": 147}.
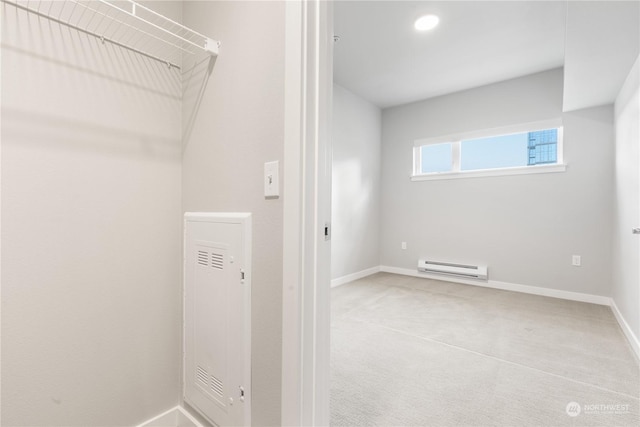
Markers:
{"x": 307, "y": 211}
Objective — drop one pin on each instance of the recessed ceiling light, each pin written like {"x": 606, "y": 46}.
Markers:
{"x": 426, "y": 22}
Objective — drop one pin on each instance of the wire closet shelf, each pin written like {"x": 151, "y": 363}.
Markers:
{"x": 127, "y": 24}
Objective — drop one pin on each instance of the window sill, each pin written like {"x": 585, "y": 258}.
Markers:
{"x": 523, "y": 170}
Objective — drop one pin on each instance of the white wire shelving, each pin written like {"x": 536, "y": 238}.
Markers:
{"x": 127, "y": 24}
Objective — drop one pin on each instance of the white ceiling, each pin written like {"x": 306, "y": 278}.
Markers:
{"x": 381, "y": 58}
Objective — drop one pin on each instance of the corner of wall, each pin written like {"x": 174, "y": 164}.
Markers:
{"x": 626, "y": 201}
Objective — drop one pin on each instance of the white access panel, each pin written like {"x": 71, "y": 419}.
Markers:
{"x": 217, "y": 316}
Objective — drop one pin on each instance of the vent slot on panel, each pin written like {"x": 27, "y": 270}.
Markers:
{"x": 217, "y": 261}
{"x": 210, "y": 259}
{"x": 203, "y": 258}
{"x": 216, "y": 386}
{"x": 201, "y": 375}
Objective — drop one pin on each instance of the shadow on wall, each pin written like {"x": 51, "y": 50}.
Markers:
{"x": 108, "y": 75}
{"x": 55, "y": 42}
{"x": 83, "y": 136}
{"x": 194, "y": 87}
{"x": 91, "y": 166}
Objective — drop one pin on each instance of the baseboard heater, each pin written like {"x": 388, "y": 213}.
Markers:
{"x": 451, "y": 269}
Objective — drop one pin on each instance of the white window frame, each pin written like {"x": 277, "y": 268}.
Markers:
{"x": 456, "y": 139}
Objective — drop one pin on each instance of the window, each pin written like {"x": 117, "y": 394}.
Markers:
{"x": 506, "y": 151}
{"x": 435, "y": 158}
{"x": 543, "y": 147}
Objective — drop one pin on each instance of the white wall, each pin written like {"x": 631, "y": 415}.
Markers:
{"x": 626, "y": 246}
{"x": 527, "y": 227}
{"x": 91, "y": 228}
{"x": 355, "y": 195}
{"x": 239, "y": 126}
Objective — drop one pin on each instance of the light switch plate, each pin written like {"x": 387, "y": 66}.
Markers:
{"x": 271, "y": 180}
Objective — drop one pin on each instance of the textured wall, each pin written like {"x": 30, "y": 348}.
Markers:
{"x": 91, "y": 228}
{"x": 524, "y": 227}
{"x": 355, "y": 184}
{"x": 238, "y": 126}
{"x": 626, "y": 246}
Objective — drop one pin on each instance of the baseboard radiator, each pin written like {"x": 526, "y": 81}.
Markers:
{"x": 451, "y": 269}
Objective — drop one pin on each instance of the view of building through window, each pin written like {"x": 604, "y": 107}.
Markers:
{"x": 543, "y": 147}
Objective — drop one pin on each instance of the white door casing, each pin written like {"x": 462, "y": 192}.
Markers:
{"x": 307, "y": 210}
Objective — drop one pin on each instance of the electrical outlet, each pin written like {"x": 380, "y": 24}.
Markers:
{"x": 404, "y": 245}
{"x": 576, "y": 261}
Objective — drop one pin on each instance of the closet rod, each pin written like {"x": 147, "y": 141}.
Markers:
{"x": 180, "y": 40}
{"x": 98, "y": 36}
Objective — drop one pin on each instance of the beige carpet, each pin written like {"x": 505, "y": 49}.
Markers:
{"x": 416, "y": 352}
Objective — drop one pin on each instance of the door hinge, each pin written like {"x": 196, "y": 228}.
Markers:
{"x": 241, "y": 394}
{"x": 241, "y": 276}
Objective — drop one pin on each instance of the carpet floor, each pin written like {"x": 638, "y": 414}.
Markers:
{"x": 408, "y": 351}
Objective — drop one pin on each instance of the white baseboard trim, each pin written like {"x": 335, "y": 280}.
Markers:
{"x": 534, "y": 290}
{"x": 166, "y": 414}
{"x": 354, "y": 276}
{"x": 631, "y": 337}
